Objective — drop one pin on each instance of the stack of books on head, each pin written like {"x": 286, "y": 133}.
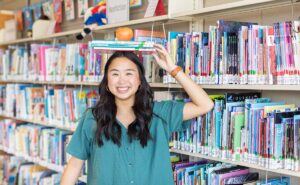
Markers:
{"x": 239, "y": 53}
{"x": 245, "y": 127}
{"x": 142, "y": 46}
{"x": 57, "y": 105}
{"x": 204, "y": 172}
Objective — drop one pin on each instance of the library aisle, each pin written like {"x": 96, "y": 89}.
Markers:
{"x": 245, "y": 54}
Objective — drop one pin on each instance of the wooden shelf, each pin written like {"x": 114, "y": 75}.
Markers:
{"x": 254, "y": 166}
{"x": 35, "y": 160}
{"x": 149, "y": 20}
{"x": 43, "y": 123}
{"x": 246, "y": 5}
{"x": 174, "y": 85}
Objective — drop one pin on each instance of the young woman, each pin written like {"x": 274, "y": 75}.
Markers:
{"x": 125, "y": 136}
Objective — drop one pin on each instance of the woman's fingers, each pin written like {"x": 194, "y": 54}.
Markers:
{"x": 160, "y": 51}
{"x": 158, "y": 60}
{"x": 159, "y": 46}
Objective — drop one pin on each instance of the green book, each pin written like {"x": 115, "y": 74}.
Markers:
{"x": 238, "y": 124}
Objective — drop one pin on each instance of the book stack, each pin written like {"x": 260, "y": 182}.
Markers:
{"x": 244, "y": 127}
{"x": 239, "y": 53}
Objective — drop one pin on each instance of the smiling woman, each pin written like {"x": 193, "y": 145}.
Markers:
{"x": 125, "y": 136}
{"x": 123, "y": 78}
{"x": 124, "y": 86}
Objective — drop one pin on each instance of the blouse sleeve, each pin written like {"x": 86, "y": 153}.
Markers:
{"x": 81, "y": 141}
{"x": 172, "y": 114}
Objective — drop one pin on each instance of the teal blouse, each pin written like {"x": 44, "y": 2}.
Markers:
{"x": 129, "y": 164}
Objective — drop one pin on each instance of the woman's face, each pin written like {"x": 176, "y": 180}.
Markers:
{"x": 123, "y": 78}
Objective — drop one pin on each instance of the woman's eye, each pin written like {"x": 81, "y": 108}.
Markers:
{"x": 128, "y": 74}
{"x": 114, "y": 74}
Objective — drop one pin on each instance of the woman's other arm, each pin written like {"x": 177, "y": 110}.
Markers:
{"x": 72, "y": 171}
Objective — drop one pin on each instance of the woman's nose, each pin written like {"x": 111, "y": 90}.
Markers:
{"x": 122, "y": 79}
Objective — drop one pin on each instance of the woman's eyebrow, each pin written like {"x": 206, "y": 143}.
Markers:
{"x": 125, "y": 70}
{"x": 113, "y": 70}
{"x": 130, "y": 70}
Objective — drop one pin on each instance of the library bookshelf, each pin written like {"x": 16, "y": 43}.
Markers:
{"x": 194, "y": 14}
{"x": 170, "y": 85}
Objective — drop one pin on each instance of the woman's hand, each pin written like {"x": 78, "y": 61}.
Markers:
{"x": 163, "y": 58}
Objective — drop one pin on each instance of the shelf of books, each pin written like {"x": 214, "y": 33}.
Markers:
{"x": 34, "y": 144}
{"x": 244, "y": 129}
{"x": 253, "y": 166}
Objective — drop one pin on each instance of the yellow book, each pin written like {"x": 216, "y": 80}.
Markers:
{"x": 269, "y": 109}
{"x": 216, "y": 96}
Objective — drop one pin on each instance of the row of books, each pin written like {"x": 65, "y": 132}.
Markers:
{"x": 239, "y": 53}
{"x": 15, "y": 170}
{"x": 58, "y": 105}
{"x": 74, "y": 62}
{"x": 45, "y": 143}
{"x": 204, "y": 172}
{"x": 32, "y": 174}
{"x": 46, "y": 62}
{"x": 245, "y": 127}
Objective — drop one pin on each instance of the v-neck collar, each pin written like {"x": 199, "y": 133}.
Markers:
{"x": 121, "y": 124}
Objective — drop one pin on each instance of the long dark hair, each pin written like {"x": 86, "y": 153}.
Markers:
{"x": 106, "y": 109}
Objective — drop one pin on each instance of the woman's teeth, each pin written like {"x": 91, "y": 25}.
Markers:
{"x": 122, "y": 89}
